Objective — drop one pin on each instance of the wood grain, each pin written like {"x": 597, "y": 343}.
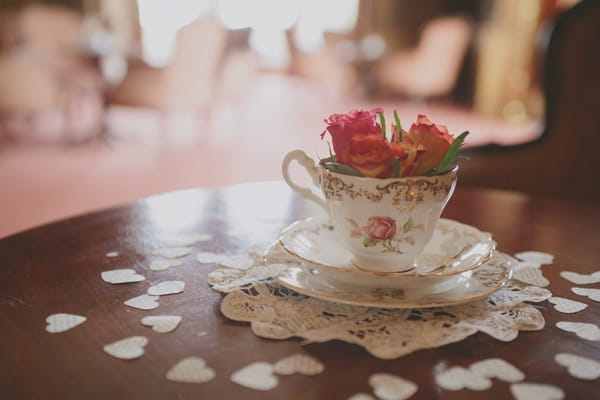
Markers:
{"x": 56, "y": 268}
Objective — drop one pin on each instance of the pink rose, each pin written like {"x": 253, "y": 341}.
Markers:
{"x": 343, "y": 127}
{"x": 380, "y": 228}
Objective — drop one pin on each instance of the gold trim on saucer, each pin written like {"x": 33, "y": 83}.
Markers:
{"x": 395, "y": 298}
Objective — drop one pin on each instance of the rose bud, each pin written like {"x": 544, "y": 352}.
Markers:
{"x": 408, "y": 152}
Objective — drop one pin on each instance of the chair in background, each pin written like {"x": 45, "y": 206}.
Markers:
{"x": 187, "y": 83}
{"x": 563, "y": 161}
{"x": 432, "y": 68}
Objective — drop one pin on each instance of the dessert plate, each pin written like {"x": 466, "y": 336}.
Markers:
{"x": 485, "y": 280}
{"x": 448, "y": 259}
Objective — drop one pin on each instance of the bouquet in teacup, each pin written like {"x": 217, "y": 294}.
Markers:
{"x": 383, "y": 189}
{"x": 363, "y": 146}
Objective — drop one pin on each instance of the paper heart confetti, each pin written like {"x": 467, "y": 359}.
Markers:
{"x": 497, "y": 368}
{"x": 525, "y": 264}
{"x": 127, "y": 349}
{"x": 143, "y": 302}
{"x": 62, "y": 322}
{"x": 257, "y": 376}
{"x": 581, "y": 279}
{"x": 537, "y": 391}
{"x": 173, "y": 252}
{"x": 590, "y": 293}
{"x": 160, "y": 265}
{"x": 239, "y": 261}
{"x": 536, "y": 257}
{"x": 579, "y": 367}
{"x": 166, "y": 287}
{"x": 187, "y": 240}
{"x": 298, "y": 363}
{"x": 392, "y": 387}
{"x": 531, "y": 275}
{"x": 117, "y": 276}
{"x": 566, "y": 305}
{"x": 191, "y": 370}
{"x": 583, "y": 330}
{"x": 162, "y": 323}
{"x": 458, "y": 378}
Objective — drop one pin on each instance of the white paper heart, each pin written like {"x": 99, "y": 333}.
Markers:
{"x": 567, "y": 306}
{"x": 62, "y": 322}
{"x": 128, "y": 348}
{"x": 239, "y": 261}
{"x": 536, "y": 257}
{"x": 458, "y": 378}
{"x": 298, "y": 363}
{"x": 173, "y": 252}
{"x": 112, "y": 254}
{"x": 579, "y": 367}
{"x": 206, "y": 257}
{"x": 162, "y": 323}
{"x": 392, "y": 387}
{"x": 191, "y": 370}
{"x": 531, "y": 275}
{"x": 166, "y": 287}
{"x": 186, "y": 240}
{"x": 497, "y": 368}
{"x": 583, "y": 330}
{"x": 143, "y": 302}
{"x": 581, "y": 279}
{"x": 161, "y": 265}
{"x": 257, "y": 376}
{"x": 361, "y": 396}
{"x": 117, "y": 276}
{"x": 537, "y": 391}
{"x": 590, "y": 293}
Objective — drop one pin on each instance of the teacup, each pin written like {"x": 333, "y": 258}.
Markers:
{"x": 383, "y": 223}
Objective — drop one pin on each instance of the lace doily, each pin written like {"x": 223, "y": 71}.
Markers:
{"x": 276, "y": 312}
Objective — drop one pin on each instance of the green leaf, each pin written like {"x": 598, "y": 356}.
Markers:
{"x": 382, "y": 123}
{"x": 408, "y": 225}
{"x": 332, "y": 156}
{"x": 341, "y": 168}
{"x": 398, "y": 125}
{"x": 395, "y": 167}
{"x": 450, "y": 158}
{"x": 368, "y": 242}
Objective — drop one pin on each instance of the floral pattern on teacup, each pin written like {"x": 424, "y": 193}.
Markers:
{"x": 383, "y": 232}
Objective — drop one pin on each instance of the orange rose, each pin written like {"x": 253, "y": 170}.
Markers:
{"x": 370, "y": 155}
{"x": 435, "y": 141}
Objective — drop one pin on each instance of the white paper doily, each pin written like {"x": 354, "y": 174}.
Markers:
{"x": 276, "y": 312}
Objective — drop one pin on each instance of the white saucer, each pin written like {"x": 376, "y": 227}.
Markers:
{"x": 485, "y": 280}
{"x": 448, "y": 259}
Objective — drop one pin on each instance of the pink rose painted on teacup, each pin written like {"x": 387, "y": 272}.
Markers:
{"x": 380, "y": 228}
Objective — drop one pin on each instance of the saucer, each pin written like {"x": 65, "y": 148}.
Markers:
{"x": 485, "y": 280}
{"x": 454, "y": 251}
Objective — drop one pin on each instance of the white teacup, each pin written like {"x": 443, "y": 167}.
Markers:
{"x": 383, "y": 223}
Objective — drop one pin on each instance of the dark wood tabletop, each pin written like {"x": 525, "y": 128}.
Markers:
{"x": 56, "y": 269}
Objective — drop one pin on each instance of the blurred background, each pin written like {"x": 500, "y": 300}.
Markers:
{"x": 106, "y": 101}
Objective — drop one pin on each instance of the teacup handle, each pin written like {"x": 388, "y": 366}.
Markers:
{"x": 310, "y": 167}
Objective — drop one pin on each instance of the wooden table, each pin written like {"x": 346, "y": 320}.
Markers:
{"x": 56, "y": 268}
